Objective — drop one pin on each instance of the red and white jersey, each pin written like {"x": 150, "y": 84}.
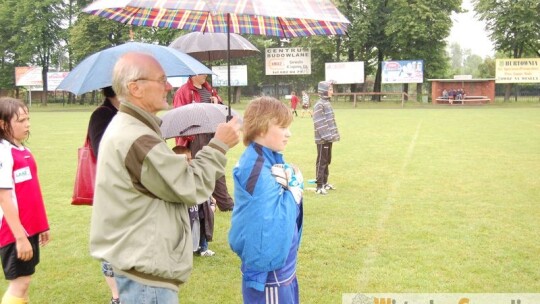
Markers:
{"x": 18, "y": 172}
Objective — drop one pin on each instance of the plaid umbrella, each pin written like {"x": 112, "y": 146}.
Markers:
{"x": 281, "y": 18}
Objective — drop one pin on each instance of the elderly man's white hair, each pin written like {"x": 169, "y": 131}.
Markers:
{"x": 127, "y": 70}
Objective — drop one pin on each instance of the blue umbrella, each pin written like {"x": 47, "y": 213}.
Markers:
{"x": 95, "y": 72}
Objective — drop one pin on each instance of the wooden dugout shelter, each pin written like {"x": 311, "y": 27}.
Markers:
{"x": 477, "y": 91}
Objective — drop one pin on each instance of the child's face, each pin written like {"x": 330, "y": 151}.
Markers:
{"x": 275, "y": 139}
{"x": 330, "y": 91}
{"x": 20, "y": 126}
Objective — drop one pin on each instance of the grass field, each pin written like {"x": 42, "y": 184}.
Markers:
{"x": 429, "y": 199}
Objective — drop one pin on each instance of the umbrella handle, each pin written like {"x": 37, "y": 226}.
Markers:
{"x": 229, "y": 117}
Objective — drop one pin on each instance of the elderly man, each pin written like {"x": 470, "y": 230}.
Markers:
{"x": 140, "y": 220}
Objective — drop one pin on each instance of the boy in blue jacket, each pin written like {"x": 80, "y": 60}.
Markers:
{"x": 267, "y": 218}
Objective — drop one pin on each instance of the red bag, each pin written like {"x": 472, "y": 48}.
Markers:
{"x": 83, "y": 192}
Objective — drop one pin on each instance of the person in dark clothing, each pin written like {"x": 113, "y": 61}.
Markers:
{"x": 201, "y": 217}
{"x": 197, "y": 89}
{"x": 100, "y": 119}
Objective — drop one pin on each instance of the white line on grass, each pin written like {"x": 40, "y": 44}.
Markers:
{"x": 371, "y": 250}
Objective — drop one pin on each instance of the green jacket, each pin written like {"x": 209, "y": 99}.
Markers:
{"x": 140, "y": 221}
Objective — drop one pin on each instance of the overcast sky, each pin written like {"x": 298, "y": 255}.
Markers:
{"x": 470, "y": 33}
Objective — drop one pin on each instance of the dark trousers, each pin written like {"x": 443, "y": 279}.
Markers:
{"x": 324, "y": 158}
{"x": 223, "y": 200}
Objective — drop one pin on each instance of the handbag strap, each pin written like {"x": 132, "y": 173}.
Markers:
{"x": 89, "y": 146}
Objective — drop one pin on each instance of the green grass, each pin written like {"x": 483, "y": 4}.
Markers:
{"x": 429, "y": 199}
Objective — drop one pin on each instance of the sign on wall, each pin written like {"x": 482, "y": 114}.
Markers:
{"x": 288, "y": 61}
{"x": 345, "y": 72}
{"x": 238, "y": 76}
{"x": 523, "y": 70}
{"x": 403, "y": 71}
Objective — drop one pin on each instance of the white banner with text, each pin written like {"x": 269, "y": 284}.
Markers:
{"x": 288, "y": 61}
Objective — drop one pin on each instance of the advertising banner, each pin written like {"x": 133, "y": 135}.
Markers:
{"x": 345, "y": 72}
{"x": 238, "y": 76}
{"x": 403, "y": 71}
{"x": 288, "y": 61}
{"x": 30, "y": 77}
{"x": 523, "y": 70}
{"x": 54, "y": 79}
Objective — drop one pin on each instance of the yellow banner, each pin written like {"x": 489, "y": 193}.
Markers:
{"x": 523, "y": 70}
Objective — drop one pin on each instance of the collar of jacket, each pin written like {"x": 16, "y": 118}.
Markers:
{"x": 150, "y": 120}
{"x": 205, "y": 85}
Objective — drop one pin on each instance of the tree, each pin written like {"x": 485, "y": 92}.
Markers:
{"x": 471, "y": 64}
{"x": 513, "y": 26}
{"x": 417, "y": 30}
{"x": 40, "y": 34}
{"x": 399, "y": 30}
{"x": 486, "y": 69}
{"x": 7, "y": 51}
{"x": 91, "y": 34}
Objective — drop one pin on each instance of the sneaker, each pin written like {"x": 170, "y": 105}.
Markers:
{"x": 321, "y": 191}
{"x": 329, "y": 187}
{"x": 115, "y": 301}
{"x": 207, "y": 253}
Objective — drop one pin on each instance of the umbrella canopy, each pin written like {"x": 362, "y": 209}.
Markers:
{"x": 282, "y": 18}
{"x": 194, "y": 118}
{"x": 95, "y": 71}
{"x": 213, "y": 46}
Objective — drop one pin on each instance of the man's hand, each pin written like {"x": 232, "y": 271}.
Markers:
{"x": 229, "y": 133}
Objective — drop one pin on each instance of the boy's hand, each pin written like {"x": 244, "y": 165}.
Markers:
{"x": 278, "y": 171}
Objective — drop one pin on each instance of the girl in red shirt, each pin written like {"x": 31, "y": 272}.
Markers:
{"x": 24, "y": 226}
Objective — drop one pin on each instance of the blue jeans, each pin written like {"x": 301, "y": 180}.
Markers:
{"x": 132, "y": 292}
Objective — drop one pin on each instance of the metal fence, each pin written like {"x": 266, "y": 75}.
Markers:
{"x": 520, "y": 92}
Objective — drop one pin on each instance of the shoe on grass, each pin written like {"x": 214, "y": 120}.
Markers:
{"x": 115, "y": 301}
{"x": 321, "y": 191}
{"x": 329, "y": 187}
{"x": 207, "y": 253}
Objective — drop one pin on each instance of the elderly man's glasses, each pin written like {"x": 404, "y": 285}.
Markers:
{"x": 162, "y": 81}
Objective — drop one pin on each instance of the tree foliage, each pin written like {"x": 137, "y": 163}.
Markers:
{"x": 514, "y": 27}
{"x": 39, "y": 34}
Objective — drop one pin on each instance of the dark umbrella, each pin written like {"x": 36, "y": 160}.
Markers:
{"x": 213, "y": 46}
{"x": 281, "y": 18}
{"x": 194, "y": 118}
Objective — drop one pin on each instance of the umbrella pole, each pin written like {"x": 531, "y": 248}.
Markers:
{"x": 229, "y": 117}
